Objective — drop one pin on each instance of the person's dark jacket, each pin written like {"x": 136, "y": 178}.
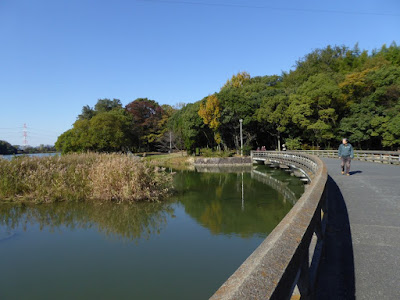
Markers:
{"x": 346, "y": 150}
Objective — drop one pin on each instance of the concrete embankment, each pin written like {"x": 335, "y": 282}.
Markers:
{"x": 223, "y": 161}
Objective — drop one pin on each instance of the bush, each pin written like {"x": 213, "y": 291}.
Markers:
{"x": 293, "y": 143}
{"x": 78, "y": 177}
{"x": 207, "y": 152}
{"x": 246, "y": 150}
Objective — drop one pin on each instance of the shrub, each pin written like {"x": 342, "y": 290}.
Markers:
{"x": 207, "y": 152}
{"x": 78, "y": 177}
{"x": 293, "y": 143}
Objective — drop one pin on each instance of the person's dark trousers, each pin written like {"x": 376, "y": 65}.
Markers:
{"x": 346, "y": 160}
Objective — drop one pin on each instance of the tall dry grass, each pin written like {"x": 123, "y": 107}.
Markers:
{"x": 79, "y": 177}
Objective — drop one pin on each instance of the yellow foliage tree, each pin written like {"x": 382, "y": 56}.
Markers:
{"x": 355, "y": 84}
{"x": 210, "y": 112}
{"x": 238, "y": 80}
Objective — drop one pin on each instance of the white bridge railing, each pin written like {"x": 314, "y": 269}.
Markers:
{"x": 294, "y": 160}
{"x": 386, "y": 157}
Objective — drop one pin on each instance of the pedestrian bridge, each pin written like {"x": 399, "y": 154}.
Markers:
{"x": 340, "y": 241}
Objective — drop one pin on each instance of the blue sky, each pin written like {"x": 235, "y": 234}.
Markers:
{"x": 57, "y": 56}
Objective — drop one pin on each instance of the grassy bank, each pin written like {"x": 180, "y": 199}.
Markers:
{"x": 182, "y": 161}
{"x": 177, "y": 161}
{"x": 78, "y": 177}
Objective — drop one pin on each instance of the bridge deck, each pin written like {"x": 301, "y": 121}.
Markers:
{"x": 364, "y": 223}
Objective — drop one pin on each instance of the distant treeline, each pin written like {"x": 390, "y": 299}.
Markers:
{"x": 332, "y": 93}
{"x": 38, "y": 149}
{"x": 7, "y": 148}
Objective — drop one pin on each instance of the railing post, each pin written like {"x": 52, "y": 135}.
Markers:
{"x": 318, "y": 226}
{"x": 304, "y": 283}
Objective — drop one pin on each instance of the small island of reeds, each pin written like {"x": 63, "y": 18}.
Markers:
{"x": 82, "y": 177}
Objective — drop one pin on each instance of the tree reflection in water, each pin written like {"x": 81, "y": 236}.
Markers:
{"x": 231, "y": 202}
{"x": 228, "y": 202}
{"x": 124, "y": 221}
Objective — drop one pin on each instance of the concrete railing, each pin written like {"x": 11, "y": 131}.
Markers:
{"x": 387, "y": 157}
{"x": 293, "y": 160}
{"x": 290, "y": 255}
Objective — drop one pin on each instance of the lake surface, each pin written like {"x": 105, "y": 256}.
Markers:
{"x": 9, "y": 157}
{"x": 183, "y": 248}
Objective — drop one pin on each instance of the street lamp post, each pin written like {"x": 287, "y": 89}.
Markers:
{"x": 241, "y": 137}
{"x": 170, "y": 142}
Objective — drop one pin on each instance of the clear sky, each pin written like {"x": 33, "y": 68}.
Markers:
{"x": 57, "y": 56}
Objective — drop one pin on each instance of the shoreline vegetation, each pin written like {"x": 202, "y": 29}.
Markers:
{"x": 93, "y": 177}
{"x": 82, "y": 177}
{"x": 181, "y": 160}
{"x": 177, "y": 160}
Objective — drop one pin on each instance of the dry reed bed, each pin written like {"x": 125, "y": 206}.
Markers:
{"x": 79, "y": 177}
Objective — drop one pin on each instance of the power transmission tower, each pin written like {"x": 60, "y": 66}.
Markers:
{"x": 25, "y": 134}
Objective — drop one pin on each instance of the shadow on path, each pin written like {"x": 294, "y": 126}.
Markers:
{"x": 355, "y": 172}
{"x": 336, "y": 278}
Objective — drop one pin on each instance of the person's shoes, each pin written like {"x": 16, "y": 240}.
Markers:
{"x": 347, "y": 174}
{"x": 342, "y": 173}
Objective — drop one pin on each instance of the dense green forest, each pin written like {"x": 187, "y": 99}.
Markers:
{"x": 7, "y": 148}
{"x": 331, "y": 93}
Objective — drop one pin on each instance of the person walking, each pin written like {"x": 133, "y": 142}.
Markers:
{"x": 346, "y": 154}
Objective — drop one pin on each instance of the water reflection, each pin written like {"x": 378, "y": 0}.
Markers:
{"x": 125, "y": 221}
{"x": 276, "y": 184}
{"x": 11, "y": 156}
{"x": 229, "y": 201}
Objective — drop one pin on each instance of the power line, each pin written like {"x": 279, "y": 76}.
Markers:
{"x": 310, "y": 10}
{"x": 30, "y": 130}
{"x": 15, "y": 133}
{"x": 43, "y": 130}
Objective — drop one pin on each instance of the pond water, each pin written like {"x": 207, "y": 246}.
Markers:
{"x": 183, "y": 248}
{"x": 9, "y": 157}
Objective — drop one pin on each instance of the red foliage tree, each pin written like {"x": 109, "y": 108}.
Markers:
{"x": 147, "y": 115}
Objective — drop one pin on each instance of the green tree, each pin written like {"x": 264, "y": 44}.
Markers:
{"x": 315, "y": 106}
{"x": 240, "y": 101}
{"x": 102, "y": 105}
{"x": 106, "y": 132}
{"x": 7, "y": 148}
{"x": 293, "y": 143}
{"x": 87, "y": 113}
{"x": 274, "y": 112}
{"x": 110, "y": 132}
{"x": 105, "y": 105}
{"x": 187, "y": 124}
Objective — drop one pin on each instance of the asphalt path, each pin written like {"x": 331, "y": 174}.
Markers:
{"x": 362, "y": 255}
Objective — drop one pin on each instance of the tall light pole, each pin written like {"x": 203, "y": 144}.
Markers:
{"x": 170, "y": 142}
{"x": 241, "y": 137}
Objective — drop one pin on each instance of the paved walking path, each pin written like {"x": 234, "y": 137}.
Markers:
{"x": 362, "y": 256}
